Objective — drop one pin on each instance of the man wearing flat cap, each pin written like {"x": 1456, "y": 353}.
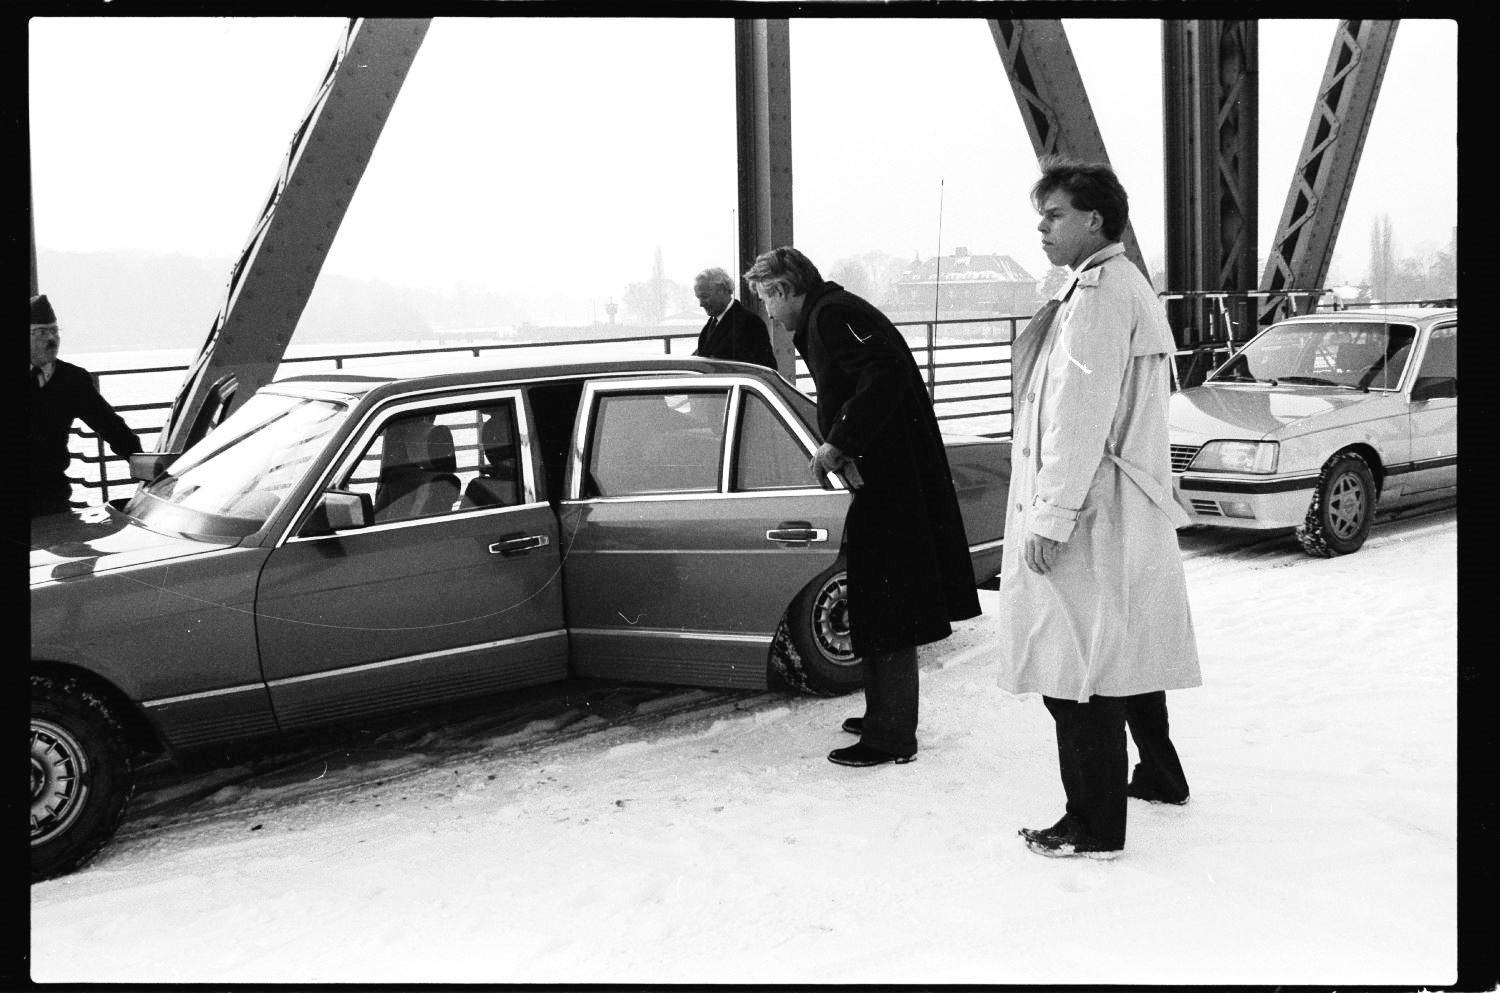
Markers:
{"x": 59, "y": 393}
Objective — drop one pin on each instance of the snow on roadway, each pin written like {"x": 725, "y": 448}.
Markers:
{"x": 718, "y": 845}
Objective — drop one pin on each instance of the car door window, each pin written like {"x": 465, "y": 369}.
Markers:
{"x": 656, "y": 443}
{"x": 1441, "y": 359}
{"x": 435, "y": 462}
{"x": 767, "y": 454}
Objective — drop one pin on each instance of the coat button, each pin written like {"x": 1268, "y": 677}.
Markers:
{"x": 1020, "y": 509}
{"x": 1025, "y": 451}
{"x": 1031, "y": 397}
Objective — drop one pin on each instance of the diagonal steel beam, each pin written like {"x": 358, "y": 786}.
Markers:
{"x": 270, "y": 284}
{"x": 1320, "y": 187}
{"x": 1054, "y": 104}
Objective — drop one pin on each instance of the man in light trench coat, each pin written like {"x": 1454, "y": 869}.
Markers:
{"x": 1093, "y": 601}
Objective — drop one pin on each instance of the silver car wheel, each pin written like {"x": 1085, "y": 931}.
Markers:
{"x": 58, "y": 768}
{"x": 1346, "y": 506}
{"x": 831, "y": 621}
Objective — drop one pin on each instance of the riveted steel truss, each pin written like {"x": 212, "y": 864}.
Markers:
{"x": 1210, "y": 84}
{"x": 1054, "y": 104}
{"x": 763, "y": 126}
{"x": 278, "y": 267}
{"x": 1320, "y": 187}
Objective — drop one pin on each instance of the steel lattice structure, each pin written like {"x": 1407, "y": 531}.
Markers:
{"x": 1325, "y": 170}
{"x": 1210, "y": 112}
{"x": 1053, "y": 101}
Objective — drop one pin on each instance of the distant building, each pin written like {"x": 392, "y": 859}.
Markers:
{"x": 965, "y": 285}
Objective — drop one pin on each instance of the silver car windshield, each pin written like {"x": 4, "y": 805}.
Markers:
{"x": 1355, "y": 354}
{"x": 229, "y": 483}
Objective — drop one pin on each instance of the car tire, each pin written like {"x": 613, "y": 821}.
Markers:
{"x": 1343, "y": 506}
{"x": 811, "y": 651}
{"x": 81, "y": 775}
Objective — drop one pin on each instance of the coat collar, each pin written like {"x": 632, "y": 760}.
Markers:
{"x": 809, "y": 304}
{"x": 1087, "y": 274}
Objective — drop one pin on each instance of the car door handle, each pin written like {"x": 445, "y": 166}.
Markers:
{"x": 520, "y": 545}
{"x": 796, "y": 532}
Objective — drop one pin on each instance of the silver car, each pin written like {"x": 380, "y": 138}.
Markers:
{"x": 1320, "y": 419}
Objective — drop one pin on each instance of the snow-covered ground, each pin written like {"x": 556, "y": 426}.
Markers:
{"x": 713, "y": 842}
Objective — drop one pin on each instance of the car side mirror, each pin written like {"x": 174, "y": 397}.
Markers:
{"x": 346, "y": 510}
{"x": 146, "y": 466}
{"x": 1434, "y": 387}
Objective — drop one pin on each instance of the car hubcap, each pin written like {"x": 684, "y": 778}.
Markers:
{"x": 831, "y": 621}
{"x": 1346, "y": 506}
{"x": 57, "y": 790}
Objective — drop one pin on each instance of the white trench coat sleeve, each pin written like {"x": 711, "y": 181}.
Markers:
{"x": 1091, "y": 467}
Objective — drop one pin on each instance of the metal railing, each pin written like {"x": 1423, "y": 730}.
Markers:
{"x": 967, "y": 379}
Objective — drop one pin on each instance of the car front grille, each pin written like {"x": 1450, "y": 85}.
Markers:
{"x": 1183, "y": 455}
{"x": 1206, "y": 508}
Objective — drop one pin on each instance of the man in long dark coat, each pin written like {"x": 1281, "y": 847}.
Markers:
{"x": 732, "y": 332}
{"x": 59, "y": 393}
{"x": 906, "y": 552}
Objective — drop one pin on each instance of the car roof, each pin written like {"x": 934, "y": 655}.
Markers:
{"x": 451, "y": 371}
{"x": 1409, "y": 315}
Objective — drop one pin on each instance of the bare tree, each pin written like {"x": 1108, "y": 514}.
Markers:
{"x": 650, "y": 301}
{"x": 1382, "y": 257}
{"x": 872, "y": 274}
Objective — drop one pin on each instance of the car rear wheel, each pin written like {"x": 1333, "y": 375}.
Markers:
{"x": 1343, "y": 505}
{"x": 80, "y": 775}
{"x": 812, "y": 650}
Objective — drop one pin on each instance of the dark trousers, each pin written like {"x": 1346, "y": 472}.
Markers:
{"x": 891, "y": 701}
{"x": 1159, "y": 770}
{"x": 1091, "y": 758}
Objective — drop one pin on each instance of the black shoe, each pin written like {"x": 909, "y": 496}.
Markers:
{"x": 854, "y": 725}
{"x": 1063, "y": 826}
{"x": 1070, "y": 843}
{"x": 863, "y": 755}
{"x": 1154, "y": 796}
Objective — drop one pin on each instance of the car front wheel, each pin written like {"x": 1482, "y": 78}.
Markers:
{"x": 1343, "y": 505}
{"x": 812, "y": 650}
{"x": 80, "y": 775}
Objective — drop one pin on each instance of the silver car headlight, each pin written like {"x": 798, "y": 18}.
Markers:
{"x": 1237, "y": 456}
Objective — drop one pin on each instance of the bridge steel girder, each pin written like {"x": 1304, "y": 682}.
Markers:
{"x": 763, "y": 131}
{"x": 1320, "y": 186}
{"x": 270, "y": 284}
{"x": 1210, "y": 125}
{"x": 1054, "y": 104}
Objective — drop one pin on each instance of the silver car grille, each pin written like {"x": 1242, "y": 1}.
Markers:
{"x": 1183, "y": 455}
{"x": 1207, "y": 508}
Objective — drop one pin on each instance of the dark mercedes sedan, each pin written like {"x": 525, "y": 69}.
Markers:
{"x": 351, "y": 545}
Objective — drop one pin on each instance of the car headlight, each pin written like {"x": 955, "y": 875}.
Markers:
{"x": 1237, "y": 456}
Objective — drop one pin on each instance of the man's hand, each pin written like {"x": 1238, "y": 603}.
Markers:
{"x": 1041, "y": 553}
{"x": 827, "y": 459}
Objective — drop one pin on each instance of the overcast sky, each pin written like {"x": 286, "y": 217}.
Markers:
{"x": 548, "y": 158}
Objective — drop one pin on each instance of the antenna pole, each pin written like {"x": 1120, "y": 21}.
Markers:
{"x": 937, "y": 288}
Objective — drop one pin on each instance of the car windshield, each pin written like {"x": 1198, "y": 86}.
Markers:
{"x": 229, "y": 483}
{"x": 1356, "y": 354}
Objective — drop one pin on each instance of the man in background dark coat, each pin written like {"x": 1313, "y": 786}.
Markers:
{"x": 59, "y": 393}
{"x": 732, "y": 332}
{"x": 907, "y": 554}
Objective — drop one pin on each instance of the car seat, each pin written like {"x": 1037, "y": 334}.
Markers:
{"x": 498, "y": 483}
{"x": 419, "y": 472}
